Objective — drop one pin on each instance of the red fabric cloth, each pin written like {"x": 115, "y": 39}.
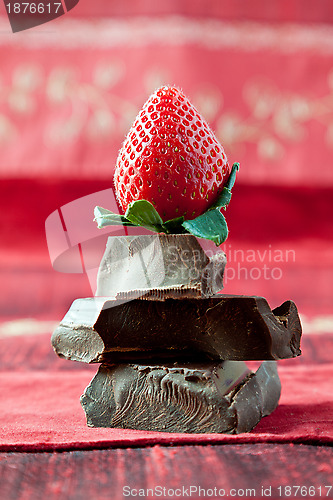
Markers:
{"x": 259, "y": 10}
{"x": 40, "y": 408}
{"x": 68, "y": 99}
{"x": 41, "y": 411}
{"x": 265, "y": 88}
{"x": 262, "y": 220}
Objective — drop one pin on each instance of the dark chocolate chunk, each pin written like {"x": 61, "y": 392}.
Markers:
{"x": 223, "y": 327}
{"x": 263, "y": 391}
{"x": 196, "y": 398}
{"x": 287, "y": 314}
{"x": 156, "y": 264}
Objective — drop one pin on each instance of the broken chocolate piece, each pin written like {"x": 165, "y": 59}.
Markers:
{"x": 227, "y": 327}
{"x": 138, "y": 265}
{"x": 200, "y": 398}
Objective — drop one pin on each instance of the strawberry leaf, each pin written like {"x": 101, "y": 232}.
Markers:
{"x": 174, "y": 226}
{"x": 105, "y": 218}
{"x": 225, "y": 196}
{"x": 211, "y": 225}
{"x": 143, "y": 213}
{"x": 223, "y": 200}
{"x": 232, "y": 177}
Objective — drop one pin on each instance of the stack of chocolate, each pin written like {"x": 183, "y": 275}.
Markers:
{"x": 172, "y": 349}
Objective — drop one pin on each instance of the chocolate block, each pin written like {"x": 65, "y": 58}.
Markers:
{"x": 195, "y": 398}
{"x": 160, "y": 264}
{"x": 223, "y": 327}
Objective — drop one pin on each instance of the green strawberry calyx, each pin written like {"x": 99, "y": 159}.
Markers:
{"x": 210, "y": 225}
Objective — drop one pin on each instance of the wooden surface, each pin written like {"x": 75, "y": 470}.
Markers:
{"x": 102, "y": 474}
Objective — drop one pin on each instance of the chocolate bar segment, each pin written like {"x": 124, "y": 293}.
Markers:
{"x": 214, "y": 398}
{"x": 223, "y": 327}
{"x": 159, "y": 263}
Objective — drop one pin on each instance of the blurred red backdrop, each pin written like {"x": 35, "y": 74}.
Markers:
{"x": 262, "y": 75}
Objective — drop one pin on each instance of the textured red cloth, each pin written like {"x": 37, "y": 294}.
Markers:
{"x": 263, "y": 221}
{"x": 264, "y": 87}
{"x": 41, "y": 411}
{"x": 40, "y": 408}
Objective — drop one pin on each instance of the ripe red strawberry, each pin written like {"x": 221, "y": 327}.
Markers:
{"x": 171, "y": 158}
